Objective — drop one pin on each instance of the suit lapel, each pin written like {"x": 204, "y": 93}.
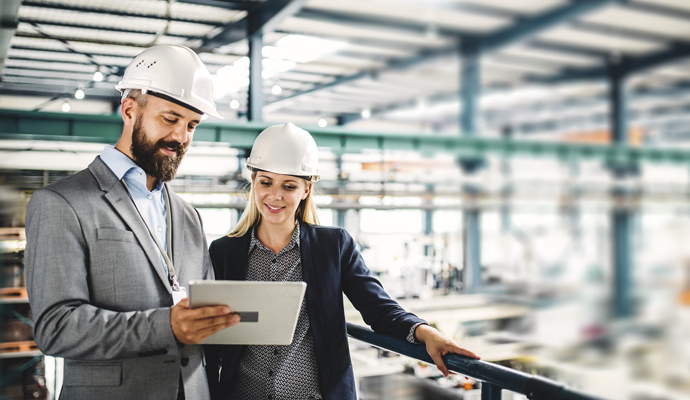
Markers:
{"x": 178, "y": 223}
{"x": 305, "y": 250}
{"x": 117, "y": 195}
{"x": 316, "y": 312}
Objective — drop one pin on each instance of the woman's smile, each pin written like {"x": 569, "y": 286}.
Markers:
{"x": 274, "y": 210}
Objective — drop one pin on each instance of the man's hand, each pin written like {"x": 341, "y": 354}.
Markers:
{"x": 193, "y": 325}
{"x": 438, "y": 345}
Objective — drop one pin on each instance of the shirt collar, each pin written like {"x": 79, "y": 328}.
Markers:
{"x": 123, "y": 166}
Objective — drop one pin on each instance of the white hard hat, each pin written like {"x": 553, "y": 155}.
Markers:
{"x": 174, "y": 73}
{"x": 285, "y": 149}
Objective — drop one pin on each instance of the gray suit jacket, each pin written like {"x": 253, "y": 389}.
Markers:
{"x": 99, "y": 295}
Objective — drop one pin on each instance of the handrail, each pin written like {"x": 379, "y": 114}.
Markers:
{"x": 494, "y": 377}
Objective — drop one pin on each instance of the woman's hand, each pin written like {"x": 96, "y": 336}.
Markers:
{"x": 438, "y": 345}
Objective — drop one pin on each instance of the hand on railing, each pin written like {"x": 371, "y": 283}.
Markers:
{"x": 494, "y": 378}
{"x": 438, "y": 345}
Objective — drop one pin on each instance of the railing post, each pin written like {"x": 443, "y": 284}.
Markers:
{"x": 490, "y": 392}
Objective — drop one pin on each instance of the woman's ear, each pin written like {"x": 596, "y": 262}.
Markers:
{"x": 306, "y": 191}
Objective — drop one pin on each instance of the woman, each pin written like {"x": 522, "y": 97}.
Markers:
{"x": 278, "y": 239}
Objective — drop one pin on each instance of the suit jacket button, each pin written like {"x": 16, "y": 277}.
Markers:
{"x": 184, "y": 361}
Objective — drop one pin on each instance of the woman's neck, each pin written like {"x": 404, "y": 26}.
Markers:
{"x": 275, "y": 237}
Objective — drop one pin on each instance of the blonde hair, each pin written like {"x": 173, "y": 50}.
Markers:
{"x": 306, "y": 211}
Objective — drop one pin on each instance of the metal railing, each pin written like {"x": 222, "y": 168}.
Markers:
{"x": 494, "y": 377}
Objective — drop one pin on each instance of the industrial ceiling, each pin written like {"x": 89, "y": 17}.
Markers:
{"x": 393, "y": 65}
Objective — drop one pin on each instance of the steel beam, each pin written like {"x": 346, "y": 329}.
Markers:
{"x": 524, "y": 29}
{"x": 429, "y": 221}
{"x": 632, "y": 65}
{"x": 120, "y": 13}
{"x": 471, "y": 272}
{"x": 621, "y": 219}
{"x": 264, "y": 17}
{"x": 470, "y": 90}
{"x": 657, "y": 9}
{"x": 24, "y": 125}
{"x": 531, "y": 26}
{"x": 255, "y": 103}
{"x": 145, "y": 31}
{"x": 9, "y": 11}
{"x": 622, "y": 226}
{"x": 470, "y": 87}
{"x": 618, "y": 103}
{"x": 230, "y": 5}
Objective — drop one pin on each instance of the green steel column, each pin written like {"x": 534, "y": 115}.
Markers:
{"x": 340, "y": 214}
{"x": 429, "y": 222}
{"x": 507, "y": 189}
{"x": 575, "y": 215}
{"x": 470, "y": 87}
{"x": 255, "y": 96}
{"x": 622, "y": 215}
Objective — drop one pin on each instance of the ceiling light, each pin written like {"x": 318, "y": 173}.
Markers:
{"x": 242, "y": 62}
{"x": 319, "y": 45}
{"x": 276, "y": 90}
{"x": 79, "y": 94}
{"x": 234, "y": 104}
{"x": 98, "y": 76}
{"x": 323, "y": 123}
{"x": 267, "y": 74}
{"x": 65, "y": 106}
{"x": 366, "y": 113}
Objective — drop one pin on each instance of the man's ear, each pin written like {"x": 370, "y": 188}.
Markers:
{"x": 129, "y": 109}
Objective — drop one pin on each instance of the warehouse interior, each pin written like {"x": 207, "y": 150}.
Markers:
{"x": 515, "y": 172}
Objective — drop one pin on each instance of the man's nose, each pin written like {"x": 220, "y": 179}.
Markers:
{"x": 180, "y": 134}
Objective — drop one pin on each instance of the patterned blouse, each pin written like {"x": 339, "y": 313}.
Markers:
{"x": 278, "y": 372}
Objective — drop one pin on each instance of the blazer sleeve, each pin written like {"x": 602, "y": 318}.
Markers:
{"x": 366, "y": 293}
{"x": 65, "y": 323}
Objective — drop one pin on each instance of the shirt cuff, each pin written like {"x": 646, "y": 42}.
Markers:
{"x": 411, "y": 337}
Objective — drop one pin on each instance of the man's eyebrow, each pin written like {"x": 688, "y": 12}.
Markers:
{"x": 175, "y": 113}
{"x": 178, "y": 115}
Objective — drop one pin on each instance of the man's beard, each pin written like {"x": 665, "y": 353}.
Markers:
{"x": 147, "y": 154}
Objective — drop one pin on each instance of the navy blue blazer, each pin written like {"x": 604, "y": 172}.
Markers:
{"x": 331, "y": 266}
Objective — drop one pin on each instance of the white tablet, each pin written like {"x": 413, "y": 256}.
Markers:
{"x": 268, "y": 310}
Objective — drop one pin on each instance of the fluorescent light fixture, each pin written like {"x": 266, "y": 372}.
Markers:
{"x": 323, "y": 123}
{"x": 65, "y": 106}
{"x": 300, "y": 55}
{"x": 79, "y": 94}
{"x": 278, "y": 65}
{"x": 234, "y": 104}
{"x": 98, "y": 76}
{"x": 276, "y": 90}
{"x": 366, "y": 113}
{"x": 229, "y": 79}
{"x": 307, "y": 48}
{"x": 242, "y": 62}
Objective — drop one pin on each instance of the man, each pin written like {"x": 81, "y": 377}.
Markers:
{"x": 110, "y": 249}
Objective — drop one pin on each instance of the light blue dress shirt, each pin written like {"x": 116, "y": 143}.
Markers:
{"x": 151, "y": 203}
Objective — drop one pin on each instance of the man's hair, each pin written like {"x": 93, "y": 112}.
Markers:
{"x": 136, "y": 95}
